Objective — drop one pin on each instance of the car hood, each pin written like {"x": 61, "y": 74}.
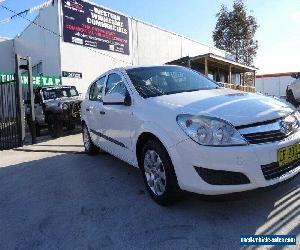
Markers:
{"x": 64, "y": 100}
{"x": 239, "y": 108}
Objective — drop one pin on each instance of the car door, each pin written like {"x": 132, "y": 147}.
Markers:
{"x": 118, "y": 120}
{"x": 93, "y": 110}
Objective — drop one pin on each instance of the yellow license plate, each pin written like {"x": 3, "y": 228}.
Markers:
{"x": 288, "y": 154}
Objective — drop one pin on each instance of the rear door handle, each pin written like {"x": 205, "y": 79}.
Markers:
{"x": 87, "y": 109}
{"x": 102, "y": 113}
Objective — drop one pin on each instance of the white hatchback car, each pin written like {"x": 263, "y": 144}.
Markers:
{"x": 185, "y": 132}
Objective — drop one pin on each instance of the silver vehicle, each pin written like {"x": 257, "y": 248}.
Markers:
{"x": 293, "y": 90}
{"x": 56, "y": 107}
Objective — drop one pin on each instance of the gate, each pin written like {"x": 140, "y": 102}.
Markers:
{"x": 12, "y": 115}
{"x": 11, "y": 122}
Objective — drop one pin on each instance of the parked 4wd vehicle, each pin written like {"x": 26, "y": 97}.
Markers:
{"x": 56, "y": 107}
{"x": 185, "y": 132}
{"x": 293, "y": 90}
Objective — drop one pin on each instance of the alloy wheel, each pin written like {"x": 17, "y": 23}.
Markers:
{"x": 86, "y": 138}
{"x": 155, "y": 172}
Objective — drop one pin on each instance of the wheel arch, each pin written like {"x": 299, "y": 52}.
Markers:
{"x": 143, "y": 138}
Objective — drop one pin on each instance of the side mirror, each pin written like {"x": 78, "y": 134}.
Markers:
{"x": 116, "y": 99}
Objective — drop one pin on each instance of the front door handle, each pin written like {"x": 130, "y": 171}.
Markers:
{"x": 102, "y": 113}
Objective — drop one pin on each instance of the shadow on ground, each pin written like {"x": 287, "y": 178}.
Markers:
{"x": 74, "y": 201}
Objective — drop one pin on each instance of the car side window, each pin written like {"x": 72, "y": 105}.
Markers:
{"x": 96, "y": 90}
{"x": 115, "y": 84}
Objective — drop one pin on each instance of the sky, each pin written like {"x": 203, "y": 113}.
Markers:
{"x": 278, "y": 34}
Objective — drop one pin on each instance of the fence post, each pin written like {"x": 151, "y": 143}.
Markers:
{"x": 32, "y": 113}
{"x": 20, "y": 104}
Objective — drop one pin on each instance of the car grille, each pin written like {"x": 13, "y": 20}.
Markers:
{"x": 264, "y": 137}
{"x": 270, "y": 131}
{"x": 76, "y": 107}
{"x": 272, "y": 170}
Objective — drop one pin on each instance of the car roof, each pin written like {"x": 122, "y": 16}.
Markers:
{"x": 143, "y": 66}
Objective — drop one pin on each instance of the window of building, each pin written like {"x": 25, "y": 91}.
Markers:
{"x": 37, "y": 70}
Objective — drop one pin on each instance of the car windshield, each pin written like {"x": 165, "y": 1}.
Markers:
{"x": 54, "y": 93}
{"x": 166, "y": 80}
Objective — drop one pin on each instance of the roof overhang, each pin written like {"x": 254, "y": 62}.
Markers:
{"x": 215, "y": 60}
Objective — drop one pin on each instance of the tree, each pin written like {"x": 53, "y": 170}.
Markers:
{"x": 234, "y": 33}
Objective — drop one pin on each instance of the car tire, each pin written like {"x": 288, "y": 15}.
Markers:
{"x": 159, "y": 174}
{"x": 37, "y": 127}
{"x": 89, "y": 147}
{"x": 54, "y": 127}
{"x": 71, "y": 127}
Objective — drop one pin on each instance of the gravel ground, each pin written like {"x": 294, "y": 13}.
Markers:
{"x": 53, "y": 196}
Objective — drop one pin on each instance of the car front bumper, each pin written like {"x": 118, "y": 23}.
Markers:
{"x": 247, "y": 160}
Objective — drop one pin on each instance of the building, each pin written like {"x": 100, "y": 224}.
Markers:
{"x": 78, "y": 40}
{"x": 224, "y": 70}
{"x": 7, "y": 54}
{"x": 274, "y": 84}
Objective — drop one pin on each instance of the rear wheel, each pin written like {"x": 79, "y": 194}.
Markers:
{"x": 158, "y": 172}
{"x": 37, "y": 127}
{"x": 89, "y": 146}
{"x": 71, "y": 127}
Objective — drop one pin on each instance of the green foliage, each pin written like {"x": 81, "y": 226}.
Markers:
{"x": 234, "y": 32}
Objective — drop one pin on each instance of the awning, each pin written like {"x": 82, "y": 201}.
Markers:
{"x": 214, "y": 61}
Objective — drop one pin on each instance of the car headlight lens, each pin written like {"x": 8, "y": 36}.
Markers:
{"x": 297, "y": 116}
{"x": 210, "y": 131}
{"x": 63, "y": 106}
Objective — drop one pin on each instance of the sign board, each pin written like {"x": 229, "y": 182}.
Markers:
{"x": 40, "y": 81}
{"x": 92, "y": 26}
{"x": 72, "y": 74}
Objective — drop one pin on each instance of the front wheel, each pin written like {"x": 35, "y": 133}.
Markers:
{"x": 55, "y": 127}
{"x": 158, "y": 172}
{"x": 89, "y": 146}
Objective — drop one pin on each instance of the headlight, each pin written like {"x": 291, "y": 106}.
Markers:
{"x": 210, "y": 131}
{"x": 297, "y": 116}
{"x": 63, "y": 106}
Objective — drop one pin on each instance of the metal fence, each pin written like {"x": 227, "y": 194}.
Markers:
{"x": 10, "y": 116}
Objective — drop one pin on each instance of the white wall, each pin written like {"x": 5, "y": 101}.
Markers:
{"x": 148, "y": 45}
{"x": 40, "y": 44}
{"x": 273, "y": 85}
{"x": 7, "y": 55}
